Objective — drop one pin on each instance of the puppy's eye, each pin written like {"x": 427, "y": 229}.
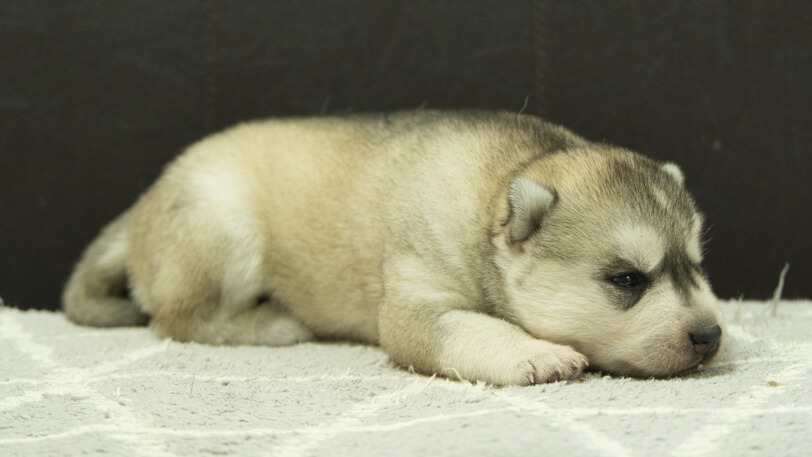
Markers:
{"x": 629, "y": 280}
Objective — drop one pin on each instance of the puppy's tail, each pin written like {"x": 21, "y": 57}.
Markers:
{"x": 97, "y": 292}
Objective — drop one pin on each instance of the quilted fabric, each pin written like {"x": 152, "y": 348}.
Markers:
{"x": 69, "y": 390}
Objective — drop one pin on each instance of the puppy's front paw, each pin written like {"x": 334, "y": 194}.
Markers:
{"x": 543, "y": 363}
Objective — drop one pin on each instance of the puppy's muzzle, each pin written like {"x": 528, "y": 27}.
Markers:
{"x": 706, "y": 340}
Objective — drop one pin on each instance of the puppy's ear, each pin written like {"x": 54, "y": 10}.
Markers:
{"x": 528, "y": 202}
{"x": 672, "y": 169}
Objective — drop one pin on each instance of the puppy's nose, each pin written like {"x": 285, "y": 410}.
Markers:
{"x": 707, "y": 339}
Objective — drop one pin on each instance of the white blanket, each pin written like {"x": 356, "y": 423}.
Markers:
{"x": 67, "y": 390}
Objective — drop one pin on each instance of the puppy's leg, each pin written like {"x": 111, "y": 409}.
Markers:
{"x": 209, "y": 299}
{"x": 263, "y": 324}
{"x": 205, "y": 281}
{"x": 430, "y": 329}
{"x": 481, "y": 347}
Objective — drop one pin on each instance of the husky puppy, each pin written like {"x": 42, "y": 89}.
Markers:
{"x": 485, "y": 246}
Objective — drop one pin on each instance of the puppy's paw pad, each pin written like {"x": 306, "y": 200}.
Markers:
{"x": 551, "y": 364}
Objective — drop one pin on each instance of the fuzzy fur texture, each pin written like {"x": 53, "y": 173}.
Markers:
{"x": 485, "y": 246}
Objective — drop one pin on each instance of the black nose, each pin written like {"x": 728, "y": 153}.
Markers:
{"x": 707, "y": 339}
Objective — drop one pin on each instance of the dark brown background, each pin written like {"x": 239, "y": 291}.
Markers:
{"x": 96, "y": 96}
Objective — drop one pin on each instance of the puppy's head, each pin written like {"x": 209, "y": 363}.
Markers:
{"x": 600, "y": 250}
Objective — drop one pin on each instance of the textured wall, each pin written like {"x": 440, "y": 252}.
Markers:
{"x": 95, "y": 97}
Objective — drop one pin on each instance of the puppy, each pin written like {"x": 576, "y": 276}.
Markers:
{"x": 487, "y": 246}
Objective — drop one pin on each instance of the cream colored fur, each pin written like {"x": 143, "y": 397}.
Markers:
{"x": 474, "y": 245}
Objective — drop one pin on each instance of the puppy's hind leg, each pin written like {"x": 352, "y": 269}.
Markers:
{"x": 210, "y": 286}
{"x": 262, "y": 324}
{"x": 265, "y": 323}
{"x": 207, "y": 313}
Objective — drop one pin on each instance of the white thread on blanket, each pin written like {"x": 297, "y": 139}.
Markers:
{"x": 426, "y": 386}
{"x": 453, "y": 370}
{"x": 779, "y": 289}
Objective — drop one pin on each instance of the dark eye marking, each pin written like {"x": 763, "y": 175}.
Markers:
{"x": 627, "y": 287}
{"x": 629, "y": 280}
{"x": 263, "y": 299}
{"x": 623, "y": 281}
